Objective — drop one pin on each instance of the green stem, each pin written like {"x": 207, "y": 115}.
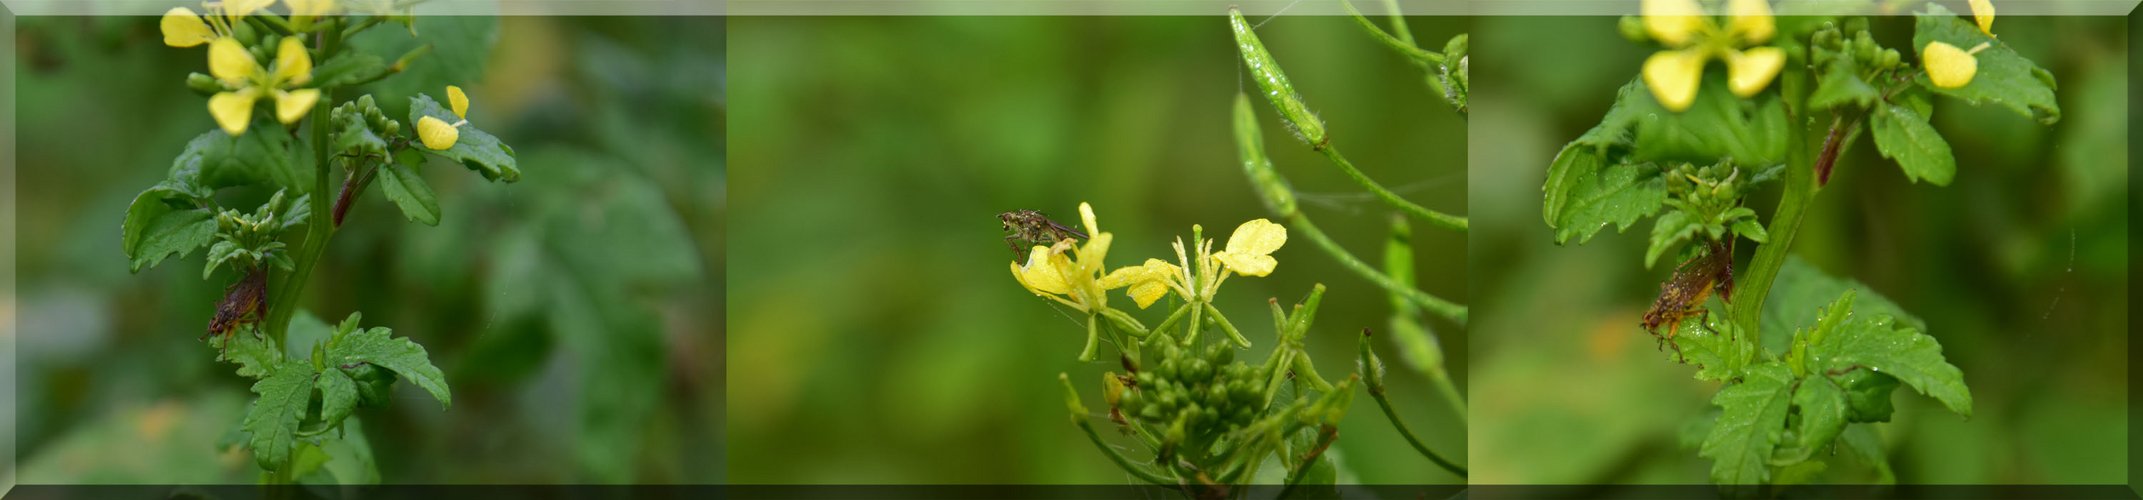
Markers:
{"x": 1398, "y": 21}
{"x": 1452, "y": 311}
{"x": 1324, "y": 440}
{"x": 284, "y": 295}
{"x": 1227, "y": 326}
{"x": 1377, "y": 392}
{"x": 1449, "y": 221}
{"x": 1755, "y": 283}
{"x": 1403, "y": 43}
{"x": 1449, "y": 391}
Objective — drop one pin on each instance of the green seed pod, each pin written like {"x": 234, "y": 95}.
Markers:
{"x": 203, "y": 84}
{"x": 1274, "y": 84}
{"x": 1250, "y": 141}
{"x": 245, "y": 34}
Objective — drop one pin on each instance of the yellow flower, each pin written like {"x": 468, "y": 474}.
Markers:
{"x": 1250, "y": 249}
{"x": 1148, "y": 282}
{"x": 183, "y": 28}
{"x": 1948, "y": 66}
{"x": 440, "y": 135}
{"x": 1068, "y": 274}
{"x": 235, "y": 68}
{"x": 310, "y": 8}
{"x": 1693, "y": 39}
{"x": 1983, "y": 12}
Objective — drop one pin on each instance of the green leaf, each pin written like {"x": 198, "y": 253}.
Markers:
{"x": 1874, "y": 342}
{"x": 2004, "y": 77}
{"x": 1583, "y": 197}
{"x": 377, "y": 347}
{"x": 1821, "y": 407}
{"x": 1801, "y": 291}
{"x": 151, "y": 204}
{"x": 475, "y": 149}
{"x": 354, "y": 137}
{"x": 349, "y": 458}
{"x": 248, "y": 349}
{"x": 1718, "y": 125}
{"x": 1717, "y": 350}
{"x": 1752, "y": 418}
{"x": 1867, "y": 395}
{"x": 1840, "y": 84}
{"x": 1749, "y": 228}
{"x": 273, "y": 420}
{"x": 338, "y": 396}
{"x": 216, "y": 160}
{"x": 1670, "y": 231}
{"x": 1863, "y": 442}
{"x": 1904, "y": 135}
{"x": 409, "y": 192}
{"x": 176, "y": 232}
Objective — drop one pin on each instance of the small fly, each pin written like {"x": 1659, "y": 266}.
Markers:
{"x": 1033, "y": 228}
{"x": 1683, "y": 294}
{"x": 244, "y": 302}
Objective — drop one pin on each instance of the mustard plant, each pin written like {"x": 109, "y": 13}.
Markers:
{"x": 1687, "y": 144}
{"x": 310, "y": 378}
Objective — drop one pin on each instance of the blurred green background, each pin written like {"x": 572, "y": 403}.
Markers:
{"x": 576, "y": 313}
{"x": 879, "y": 337}
{"x": 2018, "y": 267}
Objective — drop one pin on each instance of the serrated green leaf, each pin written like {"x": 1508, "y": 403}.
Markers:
{"x": 409, "y": 192}
{"x": 1590, "y": 197}
{"x": 1717, "y": 349}
{"x": 272, "y": 422}
{"x": 151, "y": 204}
{"x": 1904, "y": 135}
{"x": 1867, "y": 395}
{"x": 2004, "y": 77}
{"x": 338, "y": 396}
{"x": 248, "y": 349}
{"x": 1839, "y": 83}
{"x": 1801, "y": 292}
{"x": 1822, "y": 409}
{"x": 1614, "y": 128}
{"x": 1751, "y": 420}
{"x": 1669, "y": 231}
{"x": 1864, "y": 442}
{"x": 216, "y": 160}
{"x": 1804, "y": 472}
{"x": 377, "y": 347}
{"x": 176, "y": 232}
{"x": 477, "y": 150}
{"x": 1874, "y": 342}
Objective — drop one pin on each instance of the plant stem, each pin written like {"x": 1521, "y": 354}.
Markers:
{"x": 283, "y": 298}
{"x": 1398, "y": 21}
{"x": 1452, "y": 311}
{"x": 1324, "y": 440}
{"x": 1403, "y": 43}
{"x": 1747, "y": 309}
{"x": 1123, "y": 461}
{"x": 1449, "y": 221}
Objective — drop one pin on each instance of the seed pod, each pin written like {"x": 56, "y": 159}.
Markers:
{"x": 1274, "y": 84}
{"x": 1250, "y": 141}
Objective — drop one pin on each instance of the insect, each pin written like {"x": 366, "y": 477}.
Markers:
{"x": 1683, "y": 294}
{"x": 1031, "y": 227}
{"x": 243, "y": 302}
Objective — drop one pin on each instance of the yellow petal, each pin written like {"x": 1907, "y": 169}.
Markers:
{"x": 233, "y": 110}
{"x": 1093, "y": 251}
{"x": 1673, "y": 76}
{"x": 1748, "y": 72}
{"x": 1948, "y": 66}
{"x": 459, "y": 100}
{"x": 183, "y": 28}
{"x": 228, "y": 61}
{"x": 292, "y": 65}
{"x": 1086, "y": 215}
{"x": 436, "y": 133}
{"x": 241, "y": 8}
{"x": 291, "y": 106}
{"x": 1672, "y": 22}
{"x": 1147, "y": 292}
{"x": 1257, "y": 237}
{"x": 1039, "y": 275}
{"x": 1983, "y": 11}
{"x": 1751, "y": 20}
{"x": 310, "y": 8}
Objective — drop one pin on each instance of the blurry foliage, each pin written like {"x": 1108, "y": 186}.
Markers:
{"x": 2017, "y": 267}
{"x": 871, "y": 292}
{"x": 576, "y": 313}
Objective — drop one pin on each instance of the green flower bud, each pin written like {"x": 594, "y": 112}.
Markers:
{"x": 203, "y": 84}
